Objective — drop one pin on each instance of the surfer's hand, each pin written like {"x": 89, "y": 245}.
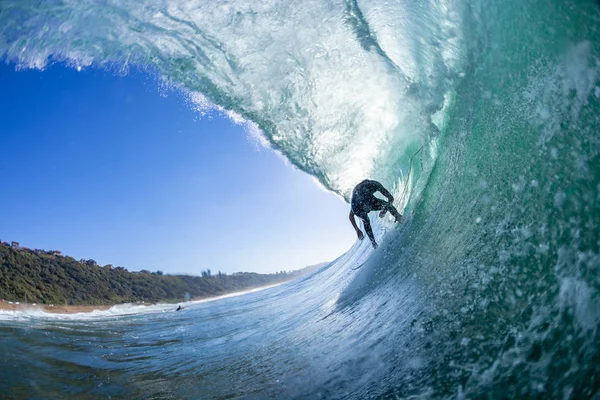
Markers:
{"x": 374, "y": 245}
{"x": 360, "y": 235}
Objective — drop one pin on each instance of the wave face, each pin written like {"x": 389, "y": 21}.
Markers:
{"x": 491, "y": 288}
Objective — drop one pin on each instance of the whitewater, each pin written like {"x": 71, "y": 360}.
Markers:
{"x": 491, "y": 286}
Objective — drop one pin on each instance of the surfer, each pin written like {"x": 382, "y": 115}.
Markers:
{"x": 363, "y": 201}
{"x": 179, "y": 308}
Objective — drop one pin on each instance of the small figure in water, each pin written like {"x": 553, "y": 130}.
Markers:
{"x": 363, "y": 201}
{"x": 179, "y": 308}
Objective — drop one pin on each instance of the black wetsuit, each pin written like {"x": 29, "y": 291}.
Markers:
{"x": 363, "y": 199}
{"x": 363, "y": 202}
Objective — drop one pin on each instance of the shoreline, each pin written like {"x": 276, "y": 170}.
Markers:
{"x": 76, "y": 309}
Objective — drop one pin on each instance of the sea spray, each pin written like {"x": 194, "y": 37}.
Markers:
{"x": 489, "y": 288}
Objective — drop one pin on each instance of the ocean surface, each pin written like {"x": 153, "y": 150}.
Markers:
{"x": 482, "y": 116}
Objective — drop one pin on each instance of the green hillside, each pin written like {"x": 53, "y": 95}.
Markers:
{"x": 43, "y": 277}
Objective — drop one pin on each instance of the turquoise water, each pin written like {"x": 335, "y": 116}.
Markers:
{"x": 491, "y": 286}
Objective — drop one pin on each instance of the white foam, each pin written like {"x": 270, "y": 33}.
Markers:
{"x": 577, "y": 295}
{"x": 118, "y": 310}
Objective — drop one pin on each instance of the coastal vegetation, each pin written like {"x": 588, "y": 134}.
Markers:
{"x": 47, "y": 277}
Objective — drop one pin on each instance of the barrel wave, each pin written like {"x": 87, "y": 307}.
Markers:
{"x": 484, "y": 118}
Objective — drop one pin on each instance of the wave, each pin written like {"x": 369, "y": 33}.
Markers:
{"x": 490, "y": 287}
{"x": 341, "y": 99}
{"x": 118, "y": 310}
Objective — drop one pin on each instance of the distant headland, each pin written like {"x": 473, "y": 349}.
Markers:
{"x": 47, "y": 278}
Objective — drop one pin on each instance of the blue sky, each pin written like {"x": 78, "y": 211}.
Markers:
{"x": 109, "y": 167}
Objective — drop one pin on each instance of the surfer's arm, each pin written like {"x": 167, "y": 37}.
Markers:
{"x": 384, "y": 192}
{"x": 353, "y": 222}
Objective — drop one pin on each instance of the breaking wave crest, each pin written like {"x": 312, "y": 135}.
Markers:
{"x": 492, "y": 281}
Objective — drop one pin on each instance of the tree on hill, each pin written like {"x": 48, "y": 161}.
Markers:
{"x": 56, "y": 279}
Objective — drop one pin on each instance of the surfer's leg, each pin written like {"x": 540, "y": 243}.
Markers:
{"x": 375, "y": 204}
{"x": 367, "y": 225}
{"x": 386, "y": 206}
{"x": 389, "y": 207}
